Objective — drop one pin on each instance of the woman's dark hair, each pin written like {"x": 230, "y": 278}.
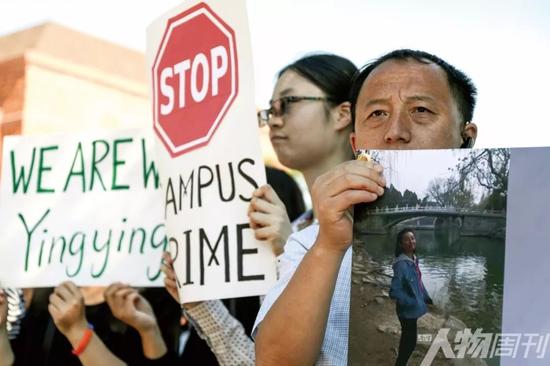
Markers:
{"x": 400, "y": 235}
{"x": 330, "y": 73}
{"x": 288, "y": 191}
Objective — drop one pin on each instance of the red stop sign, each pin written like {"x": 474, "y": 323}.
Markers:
{"x": 194, "y": 79}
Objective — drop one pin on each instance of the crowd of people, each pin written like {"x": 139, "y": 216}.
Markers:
{"x": 322, "y": 110}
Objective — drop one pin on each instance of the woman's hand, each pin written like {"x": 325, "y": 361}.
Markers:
{"x": 170, "y": 281}
{"x": 69, "y": 316}
{"x": 130, "y": 307}
{"x": 68, "y": 311}
{"x": 269, "y": 219}
{"x": 167, "y": 267}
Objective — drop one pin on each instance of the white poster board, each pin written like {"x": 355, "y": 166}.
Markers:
{"x": 84, "y": 207}
{"x": 202, "y": 91}
{"x": 526, "y": 289}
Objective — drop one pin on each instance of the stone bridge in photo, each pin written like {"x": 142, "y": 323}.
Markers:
{"x": 464, "y": 221}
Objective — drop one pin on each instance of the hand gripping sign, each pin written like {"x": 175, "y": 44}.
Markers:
{"x": 195, "y": 78}
{"x": 209, "y": 157}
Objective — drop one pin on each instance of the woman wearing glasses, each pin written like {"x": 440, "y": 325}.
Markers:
{"x": 309, "y": 125}
{"x": 310, "y": 122}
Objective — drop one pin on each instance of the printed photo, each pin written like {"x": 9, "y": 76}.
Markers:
{"x": 428, "y": 257}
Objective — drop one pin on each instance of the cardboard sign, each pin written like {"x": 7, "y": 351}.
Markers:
{"x": 209, "y": 156}
{"x": 84, "y": 207}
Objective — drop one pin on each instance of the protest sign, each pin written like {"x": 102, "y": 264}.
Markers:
{"x": 84, "y": 207}
{"x": 202, "y": 92}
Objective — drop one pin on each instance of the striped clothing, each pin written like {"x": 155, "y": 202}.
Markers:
{"x": 16, "y": 311}
{"x": 224, "y": 334}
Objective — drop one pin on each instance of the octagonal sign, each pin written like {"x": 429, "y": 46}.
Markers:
{"x": 195, "y": 79}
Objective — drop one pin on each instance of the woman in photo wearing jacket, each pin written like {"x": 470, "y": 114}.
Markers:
{"x": 409, "y": 293}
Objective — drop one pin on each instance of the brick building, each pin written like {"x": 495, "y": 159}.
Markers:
{"x": 55, "y": 79}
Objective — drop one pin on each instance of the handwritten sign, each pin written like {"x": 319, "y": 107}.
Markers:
{"x": 85, "y": 207}
{"x": 209, "y": 157}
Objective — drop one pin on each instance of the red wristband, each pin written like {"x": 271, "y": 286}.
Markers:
{"x": 88, "y": 333}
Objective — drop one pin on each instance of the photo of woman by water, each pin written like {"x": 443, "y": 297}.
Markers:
{"x": 409, "y": 293}
{"x": 442, "y": 233}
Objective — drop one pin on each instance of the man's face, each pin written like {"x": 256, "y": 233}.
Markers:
{"x": 408, "y": 105}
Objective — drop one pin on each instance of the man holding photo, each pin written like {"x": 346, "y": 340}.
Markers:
{"x": 404, "y": 100}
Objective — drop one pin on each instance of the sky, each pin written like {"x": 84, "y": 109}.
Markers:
{"x": 504, "y": 46}
{"x": 414, "y": 170}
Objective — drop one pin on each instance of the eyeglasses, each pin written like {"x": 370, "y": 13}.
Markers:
{"x": 279, "y": 107}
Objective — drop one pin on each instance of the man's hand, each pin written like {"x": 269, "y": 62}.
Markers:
{"x": 336, "y": 191}
{"x": 269, "y": 219}
{"x": 312, "y": 285}
{"x": 68, "y": 311}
